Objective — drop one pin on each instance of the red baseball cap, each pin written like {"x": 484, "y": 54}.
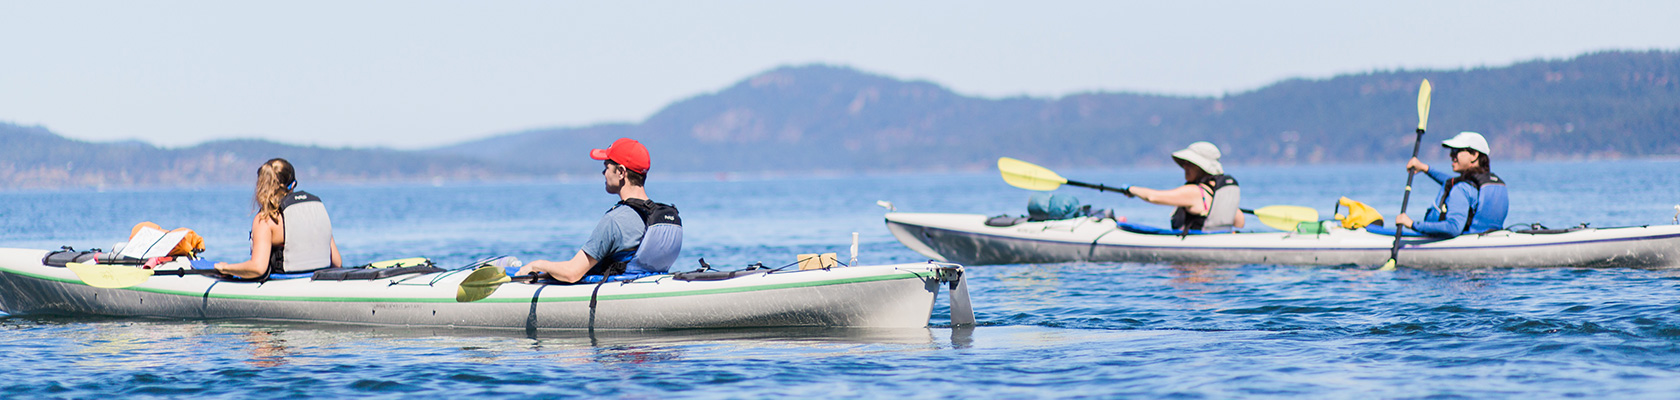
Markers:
{"x": 627, "y": 152}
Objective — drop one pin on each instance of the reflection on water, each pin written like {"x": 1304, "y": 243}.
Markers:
{"x": 1197, "y": 278}
{"x": 1030, "y": 285}
{"x": 267, "y": 349}
{"x": 131, "y": 343}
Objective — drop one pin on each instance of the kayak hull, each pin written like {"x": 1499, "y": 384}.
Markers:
{"x": 966, "y": 239}
{"x": 887, "y": 296}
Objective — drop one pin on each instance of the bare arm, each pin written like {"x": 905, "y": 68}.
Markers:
{"x": 566, "y": 271}
{"x": 337, "y": 261}
{"x": 262, "y": 241}
{"x": 1182, "y": 196}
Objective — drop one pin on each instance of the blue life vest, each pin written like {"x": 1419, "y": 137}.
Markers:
{"x": 1487, "y": 208}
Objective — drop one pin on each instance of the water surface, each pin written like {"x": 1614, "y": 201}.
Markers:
{"x": 1058, "y": 330}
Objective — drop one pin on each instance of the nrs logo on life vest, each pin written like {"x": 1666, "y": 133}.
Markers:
{"x": 300, "y": 197}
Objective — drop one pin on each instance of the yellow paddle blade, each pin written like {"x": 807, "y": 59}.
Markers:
{"x": 110, "y": 276}
{"x": 401, "y": 262}
{"x": 481, "y": 283}
{"x": 1027, "y": 176}
{"x": 1387, "y": 266}
{"x": 1285, "y": 218}
{"x": 1423, "y": 105}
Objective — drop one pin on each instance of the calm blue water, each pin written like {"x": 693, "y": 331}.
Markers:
{"x": 1064, "y": 330}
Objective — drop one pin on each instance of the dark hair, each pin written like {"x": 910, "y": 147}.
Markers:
{"x": 1482, "y": 162}
{"x": 1186, "y": 164}
{"x": 635, "y": 178}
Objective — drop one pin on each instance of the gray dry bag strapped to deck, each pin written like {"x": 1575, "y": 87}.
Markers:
{"x": 1051, "y": 207}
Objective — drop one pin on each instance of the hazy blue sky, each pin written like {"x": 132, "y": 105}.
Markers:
{"x": 412, "y": 74}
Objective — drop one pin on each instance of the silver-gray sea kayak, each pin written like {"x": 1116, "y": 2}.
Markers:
{"x": 966, "y": 239}
{"x": 886, "y": 296}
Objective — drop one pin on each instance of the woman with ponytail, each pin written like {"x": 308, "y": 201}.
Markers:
{"x": 290, "y": 233}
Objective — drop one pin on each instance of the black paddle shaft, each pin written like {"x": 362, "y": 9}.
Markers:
{"x": 1099, "y": 187}
{"x": 1394, "y": 254}
{"x": 184, "y": 272}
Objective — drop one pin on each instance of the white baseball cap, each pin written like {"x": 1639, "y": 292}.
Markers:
{"x": 1467, "y": 140}
{"x": 1204, "y": 155}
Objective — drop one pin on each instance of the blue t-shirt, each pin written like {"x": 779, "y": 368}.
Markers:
{"x": 621, "y": 229}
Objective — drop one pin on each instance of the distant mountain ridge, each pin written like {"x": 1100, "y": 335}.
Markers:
{"x": 819, "y": 118}
{"x": 34, "y": 157}
{"x": 1599, "y": 105}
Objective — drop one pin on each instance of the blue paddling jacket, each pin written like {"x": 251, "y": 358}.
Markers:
{"x": 1470, "y": 203}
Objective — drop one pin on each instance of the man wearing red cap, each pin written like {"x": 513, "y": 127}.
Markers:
{"x": 637, "y": 235}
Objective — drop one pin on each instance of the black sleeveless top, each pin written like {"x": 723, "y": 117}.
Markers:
{"x": 276, "y": 258}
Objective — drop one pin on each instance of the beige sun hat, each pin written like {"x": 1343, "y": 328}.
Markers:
{"x": 1204, "y": 155}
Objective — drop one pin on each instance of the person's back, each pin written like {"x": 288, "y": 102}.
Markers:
{"x": 290, "y": 232}
{"x": 308, "y": 234}
{"x": 661, "y": 240}
{"x": 1493, "y": 204}
{"x": 636, "y": 236}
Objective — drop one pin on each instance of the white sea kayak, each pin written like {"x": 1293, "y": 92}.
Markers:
{"x": 886, "y": 296}
{"x": 967, "y": 239}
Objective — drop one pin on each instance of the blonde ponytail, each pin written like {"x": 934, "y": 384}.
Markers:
{"x": 275, "y": 179}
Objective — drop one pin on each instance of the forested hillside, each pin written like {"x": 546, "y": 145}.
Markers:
{"x": 818, "y": 118}
{"x": 1601, "y": 105}
{"x": 33, "y": 157}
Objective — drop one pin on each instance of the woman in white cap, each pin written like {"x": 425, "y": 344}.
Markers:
{"x": 1208, "y": 199}
{"x": 1475, "y": 201}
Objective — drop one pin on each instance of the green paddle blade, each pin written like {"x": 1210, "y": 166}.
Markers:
{"x": 1285, "y": 218}
{"x": 110, "y": 276}
{"x": 1423, "y": 105}
{"x": 481, "y": 283}
{"x": 1027, "y": 176}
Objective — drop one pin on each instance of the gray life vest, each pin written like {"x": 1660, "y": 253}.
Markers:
{"x": 660, "y": 245}
{"x": 308, "y": 235}
{"x": 1222, "y": 212}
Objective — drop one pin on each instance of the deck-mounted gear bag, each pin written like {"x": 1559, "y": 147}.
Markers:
{"x": 1052, "y": 207}
{"x": 308, "y": 234}
{"x": 1358, "y": 214}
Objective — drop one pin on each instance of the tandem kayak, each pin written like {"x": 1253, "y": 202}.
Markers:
{"x": 967, "y": 239}
{"x": 886, "y": 296}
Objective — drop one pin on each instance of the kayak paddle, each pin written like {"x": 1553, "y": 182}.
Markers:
{"x": 1423, "y": 120}
{"x": 1029, "y": 176}
{"x": 481, "y": 283}
{"x": 107, "y": 276}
